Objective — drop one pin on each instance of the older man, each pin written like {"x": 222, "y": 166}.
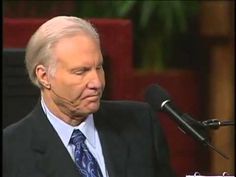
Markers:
{"x": 71, "y": 132}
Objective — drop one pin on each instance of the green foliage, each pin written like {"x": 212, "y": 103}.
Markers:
{"x": 155, "y": 24}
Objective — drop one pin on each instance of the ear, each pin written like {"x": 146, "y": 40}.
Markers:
{"x": 42, "y": 75}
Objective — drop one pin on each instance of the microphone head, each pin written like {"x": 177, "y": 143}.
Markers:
{"x": 155, "y": 96}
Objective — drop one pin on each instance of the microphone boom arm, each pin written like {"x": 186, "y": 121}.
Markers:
{"x": 215, "y": 124}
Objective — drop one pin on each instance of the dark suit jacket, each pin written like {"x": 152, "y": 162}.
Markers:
{"x": 132, "y": 142}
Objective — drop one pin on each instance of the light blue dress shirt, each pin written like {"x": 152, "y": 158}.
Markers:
{"x": 87, "y": 127}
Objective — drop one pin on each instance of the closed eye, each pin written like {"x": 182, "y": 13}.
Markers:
{"x": 80, "y": 71}
{"x": 99, "y": 67}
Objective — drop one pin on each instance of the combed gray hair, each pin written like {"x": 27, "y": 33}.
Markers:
{"x": 39, "y": 48}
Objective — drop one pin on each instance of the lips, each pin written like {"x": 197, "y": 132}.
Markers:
{"x": 92, "y": 97}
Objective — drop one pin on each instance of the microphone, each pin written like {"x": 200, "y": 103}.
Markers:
{"x": 59, "y": 98}
{"x": 65, "y": 100}
{"x": 160, "y": 100}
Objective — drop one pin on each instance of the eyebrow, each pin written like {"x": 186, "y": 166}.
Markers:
{"x": 85, "y": 66}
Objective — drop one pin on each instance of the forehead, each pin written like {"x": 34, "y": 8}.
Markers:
{"x": 79, "y": 41}
{"x": 80, "y": 46}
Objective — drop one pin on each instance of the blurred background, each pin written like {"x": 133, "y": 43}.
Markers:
{"x": 186, "y": 46}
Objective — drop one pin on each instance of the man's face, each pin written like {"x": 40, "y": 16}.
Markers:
{"x": 79, "y": 76}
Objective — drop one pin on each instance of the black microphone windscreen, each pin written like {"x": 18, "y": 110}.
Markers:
{"x": 155, "y": 96}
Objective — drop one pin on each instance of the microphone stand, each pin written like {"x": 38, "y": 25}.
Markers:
{"x": 203, "y": 126}
{"x": 215, "y": 124}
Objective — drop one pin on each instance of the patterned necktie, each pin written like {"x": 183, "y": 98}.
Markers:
{"x": 84, "y": 160}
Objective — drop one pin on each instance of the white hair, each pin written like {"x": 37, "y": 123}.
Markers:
{"x": 39, "y": 48}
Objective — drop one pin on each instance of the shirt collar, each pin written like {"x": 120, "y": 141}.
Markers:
{"x": 65, "y": 130}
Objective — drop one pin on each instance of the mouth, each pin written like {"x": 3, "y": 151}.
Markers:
{"x": 92, "y": 97}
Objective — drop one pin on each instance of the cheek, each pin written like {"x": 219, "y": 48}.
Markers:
{"x": 102, "y": 78}
{"x": 75, "y": 86}
{"x": 68, "y": 85}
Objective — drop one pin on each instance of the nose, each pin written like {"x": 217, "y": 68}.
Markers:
{"x": 96, "y": 80}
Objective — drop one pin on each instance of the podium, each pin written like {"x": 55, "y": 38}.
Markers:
{"x": 197, "y": 174}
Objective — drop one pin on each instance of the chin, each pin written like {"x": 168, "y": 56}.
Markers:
{"x": 93, "y": 106}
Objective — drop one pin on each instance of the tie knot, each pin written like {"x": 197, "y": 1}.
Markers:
{"x": 77, "y": 137}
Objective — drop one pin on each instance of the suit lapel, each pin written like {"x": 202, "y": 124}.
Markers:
{"x": 114, "y": 148}
{"x": 52, "y": 158}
